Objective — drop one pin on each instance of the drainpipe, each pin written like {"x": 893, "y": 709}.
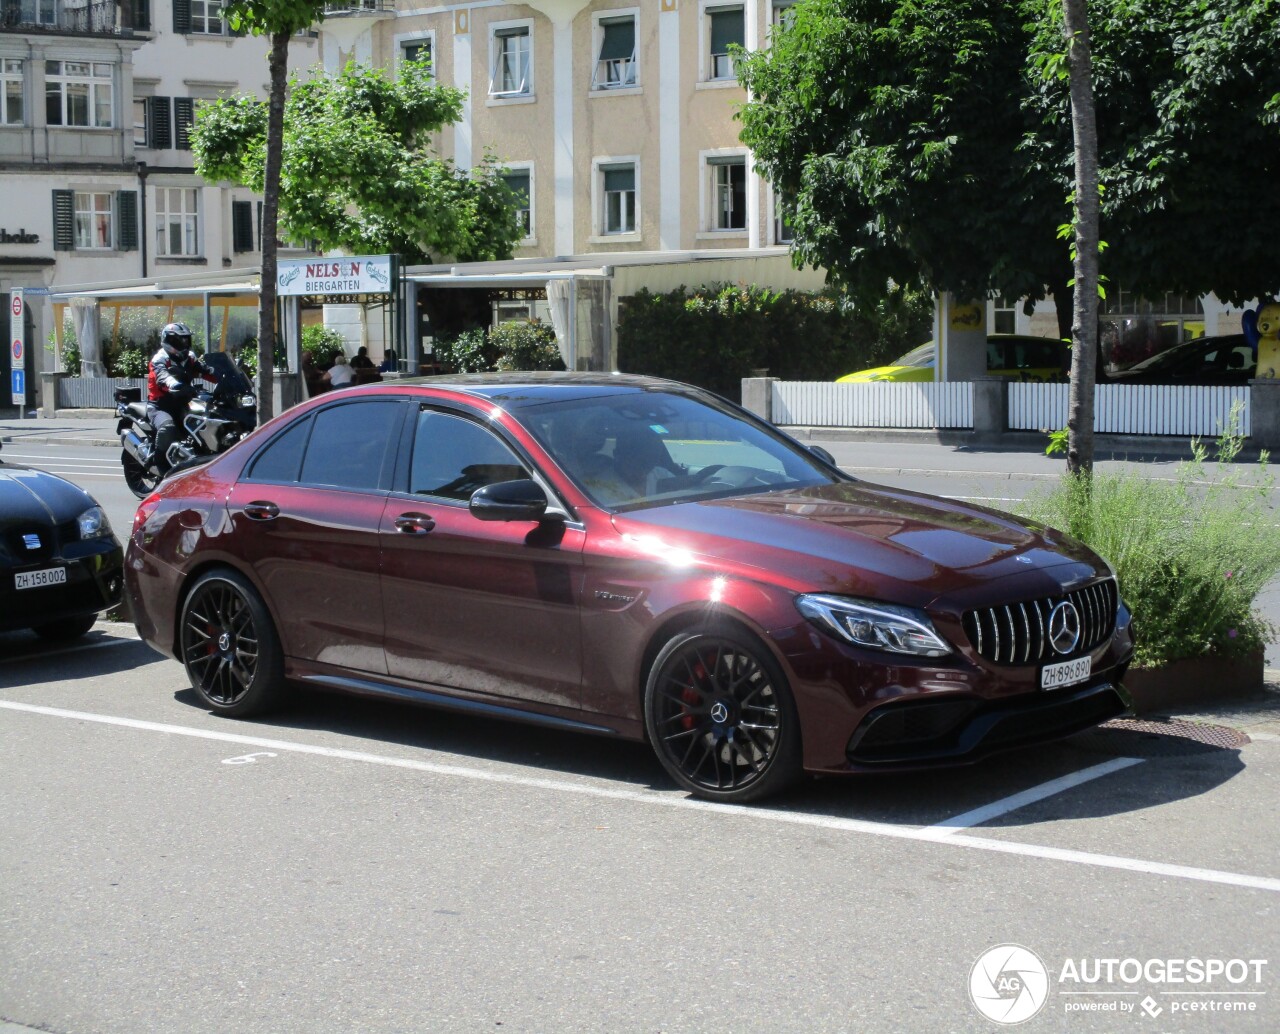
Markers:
{"x": 142, "y": 215}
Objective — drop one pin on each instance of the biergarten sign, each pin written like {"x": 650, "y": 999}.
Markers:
{"x": 343, "y": 274}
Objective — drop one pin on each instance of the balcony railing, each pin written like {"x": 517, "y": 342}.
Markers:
{"x": 67, "y": 17}
{"x": 358, "y": 7}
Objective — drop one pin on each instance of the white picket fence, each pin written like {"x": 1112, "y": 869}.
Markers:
{"x": 879, "y": 404}
{"x": 1173, "y": 409}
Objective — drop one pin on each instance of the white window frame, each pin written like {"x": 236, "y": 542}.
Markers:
{"x": 532, "y": 236}
{"x": 707, "y": 63}
{"x": 709, "y": 162}
{"x": 600, "y": 199}
{"x": 187, "y": 222}
{"x": 498, "y": 32}
{"x": 12, "y": 71}
{"x": 140, "y": 138}
{"x": 779, "y": 11}
{"x": 206, "y": 13}
{"x": 95, "y": 83}
{"x": 46, "y": 12}
{"x": 94, "y": 212}
{"x": 630, "y": 72}
{"x": 775, "y": 222}
{"x": 408, "y": 39}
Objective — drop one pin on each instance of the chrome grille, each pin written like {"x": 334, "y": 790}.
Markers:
{"x": 1018, "y": 633}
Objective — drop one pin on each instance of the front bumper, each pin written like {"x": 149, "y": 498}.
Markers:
{"x": 94, "y": 581}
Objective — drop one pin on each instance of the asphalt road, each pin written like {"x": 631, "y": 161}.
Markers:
{"x": 350, "y": 865}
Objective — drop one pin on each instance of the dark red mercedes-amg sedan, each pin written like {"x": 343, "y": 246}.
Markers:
{"x": 624, "y": 556}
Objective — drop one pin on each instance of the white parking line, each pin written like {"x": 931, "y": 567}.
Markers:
{"x": 953, "y": 825}
{"x": 671, "y": 800}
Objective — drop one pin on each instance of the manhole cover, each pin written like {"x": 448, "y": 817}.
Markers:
{"x": 1140, "y": 737}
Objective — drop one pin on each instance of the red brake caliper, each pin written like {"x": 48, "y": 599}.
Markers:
{"x": 691, "y": 696}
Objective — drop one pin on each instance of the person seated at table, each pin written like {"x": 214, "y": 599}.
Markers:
{"x": 361, "y": 360}
{"x": 340, "y": 374}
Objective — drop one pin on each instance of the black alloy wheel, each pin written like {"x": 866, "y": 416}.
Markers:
{"x": 229, "y": 646}
{"x": 141, "y": 481}
{"x": 720, "y": 716}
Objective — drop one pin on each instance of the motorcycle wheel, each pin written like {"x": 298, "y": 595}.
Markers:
{"x": 141, "y": 482}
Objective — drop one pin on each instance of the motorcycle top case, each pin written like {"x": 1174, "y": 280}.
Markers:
{"x": 128, "y": 395}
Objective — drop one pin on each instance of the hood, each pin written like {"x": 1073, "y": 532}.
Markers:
{"x": 32, "y": 497}
{"x": 856, "y": 538}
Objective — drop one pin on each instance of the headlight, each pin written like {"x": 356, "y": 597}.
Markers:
{"x": 246, "y": 401}
{"x": 196, "y": 406}
{"x": 93, "y": 523}
{"x": 875, "y": 625}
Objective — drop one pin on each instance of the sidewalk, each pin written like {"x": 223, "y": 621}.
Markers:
{"x": 72, "y": 427}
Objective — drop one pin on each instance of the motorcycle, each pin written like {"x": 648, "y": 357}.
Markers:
{"x": 215, "y": 420}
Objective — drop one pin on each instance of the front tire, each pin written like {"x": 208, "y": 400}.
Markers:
{"x": 721, "y": 717}
{"x": 141, "y": 481}
{"x": 229, "y": 646}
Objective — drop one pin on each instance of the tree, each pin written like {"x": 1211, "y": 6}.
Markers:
{"x": 279, "y": 20}
{"x": 358, "y": 171}
{"x": 931, "y": 141}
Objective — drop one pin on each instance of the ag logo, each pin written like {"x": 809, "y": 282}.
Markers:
{"x": 1008, "y": 984}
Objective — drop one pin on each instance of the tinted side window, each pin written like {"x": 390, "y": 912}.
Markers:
{"x": 282, "y": 457}
{"x": 453, "y": 456}
{"x": 350, "y": 444}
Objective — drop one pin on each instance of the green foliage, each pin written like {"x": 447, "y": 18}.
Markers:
{"x": 525, "y": 345}
{"x": 930, "y": 141}
{"x": 1191, "y": 554}
{"x": 268, "y": 17}
{"x": 358, "y": 172}
{"x": 469, "y": 352}
{"x": 715, "y": 335}
{"x": 322, "y": 344}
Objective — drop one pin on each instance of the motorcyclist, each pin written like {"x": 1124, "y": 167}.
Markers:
{"x": 169, "y": 387}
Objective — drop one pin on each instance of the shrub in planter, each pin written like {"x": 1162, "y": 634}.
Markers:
{"x": 469, "y": 352}
{"x": 525, "y": 345}
{"x": 322, "y": 344}
{"x": 1191, "y": 554}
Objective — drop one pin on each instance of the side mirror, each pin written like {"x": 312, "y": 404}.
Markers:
{"x": 522, "y": 500}
{"x": 823, "y": 455}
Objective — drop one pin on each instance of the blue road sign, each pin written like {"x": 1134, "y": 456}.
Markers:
{"x": 19, "y": 388}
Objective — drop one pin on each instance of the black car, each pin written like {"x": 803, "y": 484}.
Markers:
{"x": 1228, "y": 359}
{"x": 60, "y": 564}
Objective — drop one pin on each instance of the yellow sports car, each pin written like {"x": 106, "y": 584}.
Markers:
{"x": 1015, "y": 356}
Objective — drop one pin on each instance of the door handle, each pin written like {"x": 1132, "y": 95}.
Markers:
{"x": 414, "y": 523}
{"x": 261, "y": 511}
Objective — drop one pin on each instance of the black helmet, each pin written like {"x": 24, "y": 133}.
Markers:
{"x": 176, "y": 339}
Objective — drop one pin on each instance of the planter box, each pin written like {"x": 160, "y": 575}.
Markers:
{"x": 1195, "y": 682}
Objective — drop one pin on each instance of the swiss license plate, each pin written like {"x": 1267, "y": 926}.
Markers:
{"x": 39, "y": 579}
{"x": 1065, "y": 673}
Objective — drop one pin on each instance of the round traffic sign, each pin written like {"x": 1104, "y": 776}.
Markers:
{"x": 16, "y": 305}
{"x": 17, "y": 350}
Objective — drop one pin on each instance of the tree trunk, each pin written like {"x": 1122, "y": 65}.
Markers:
{"x": 278, "y": 65}
{"x": 1084, "y": 312}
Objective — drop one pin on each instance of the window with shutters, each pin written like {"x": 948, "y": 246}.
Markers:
{"x": 159, "y": 123}
{"x": 78, "y": 93}
{"x": 242, "y": 226}
{"x": 616, "y": 188}
{"x": 93, "y": 221}
{"x": 127, "y": 220}
{"x": 183, "y": 119}
{"x": 519, "y": 180}
{"x": 615, "y": 51}
{"x": 11, "y": 93}
{"x": 177, "y": 222}
{"x": 726, "y": 192}
{"x": 511, "y": 60}
{"x": 206, "y": 17}
{"x": 723, "y": 26}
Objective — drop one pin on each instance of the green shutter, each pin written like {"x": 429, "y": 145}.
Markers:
{"x": 183, "y": 118}
{"x": 622, "y": 178}
{"x": 242, "y": 225}
{"x": 158, "y": 134}
{"x": 727, "y": 27}
{"x": 126, "y": 220}
{"x": 64, "y": 220}
{"x": 619, "y": 40}
{"x": 182, "y": 17}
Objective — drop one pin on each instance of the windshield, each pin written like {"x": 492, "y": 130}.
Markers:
{"x": 632, "y": 450}
{"x": 230, "y": 377}
{"x": 921, "y": 355}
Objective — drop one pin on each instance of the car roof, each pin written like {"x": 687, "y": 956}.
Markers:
{"x": 533, "y": 387}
